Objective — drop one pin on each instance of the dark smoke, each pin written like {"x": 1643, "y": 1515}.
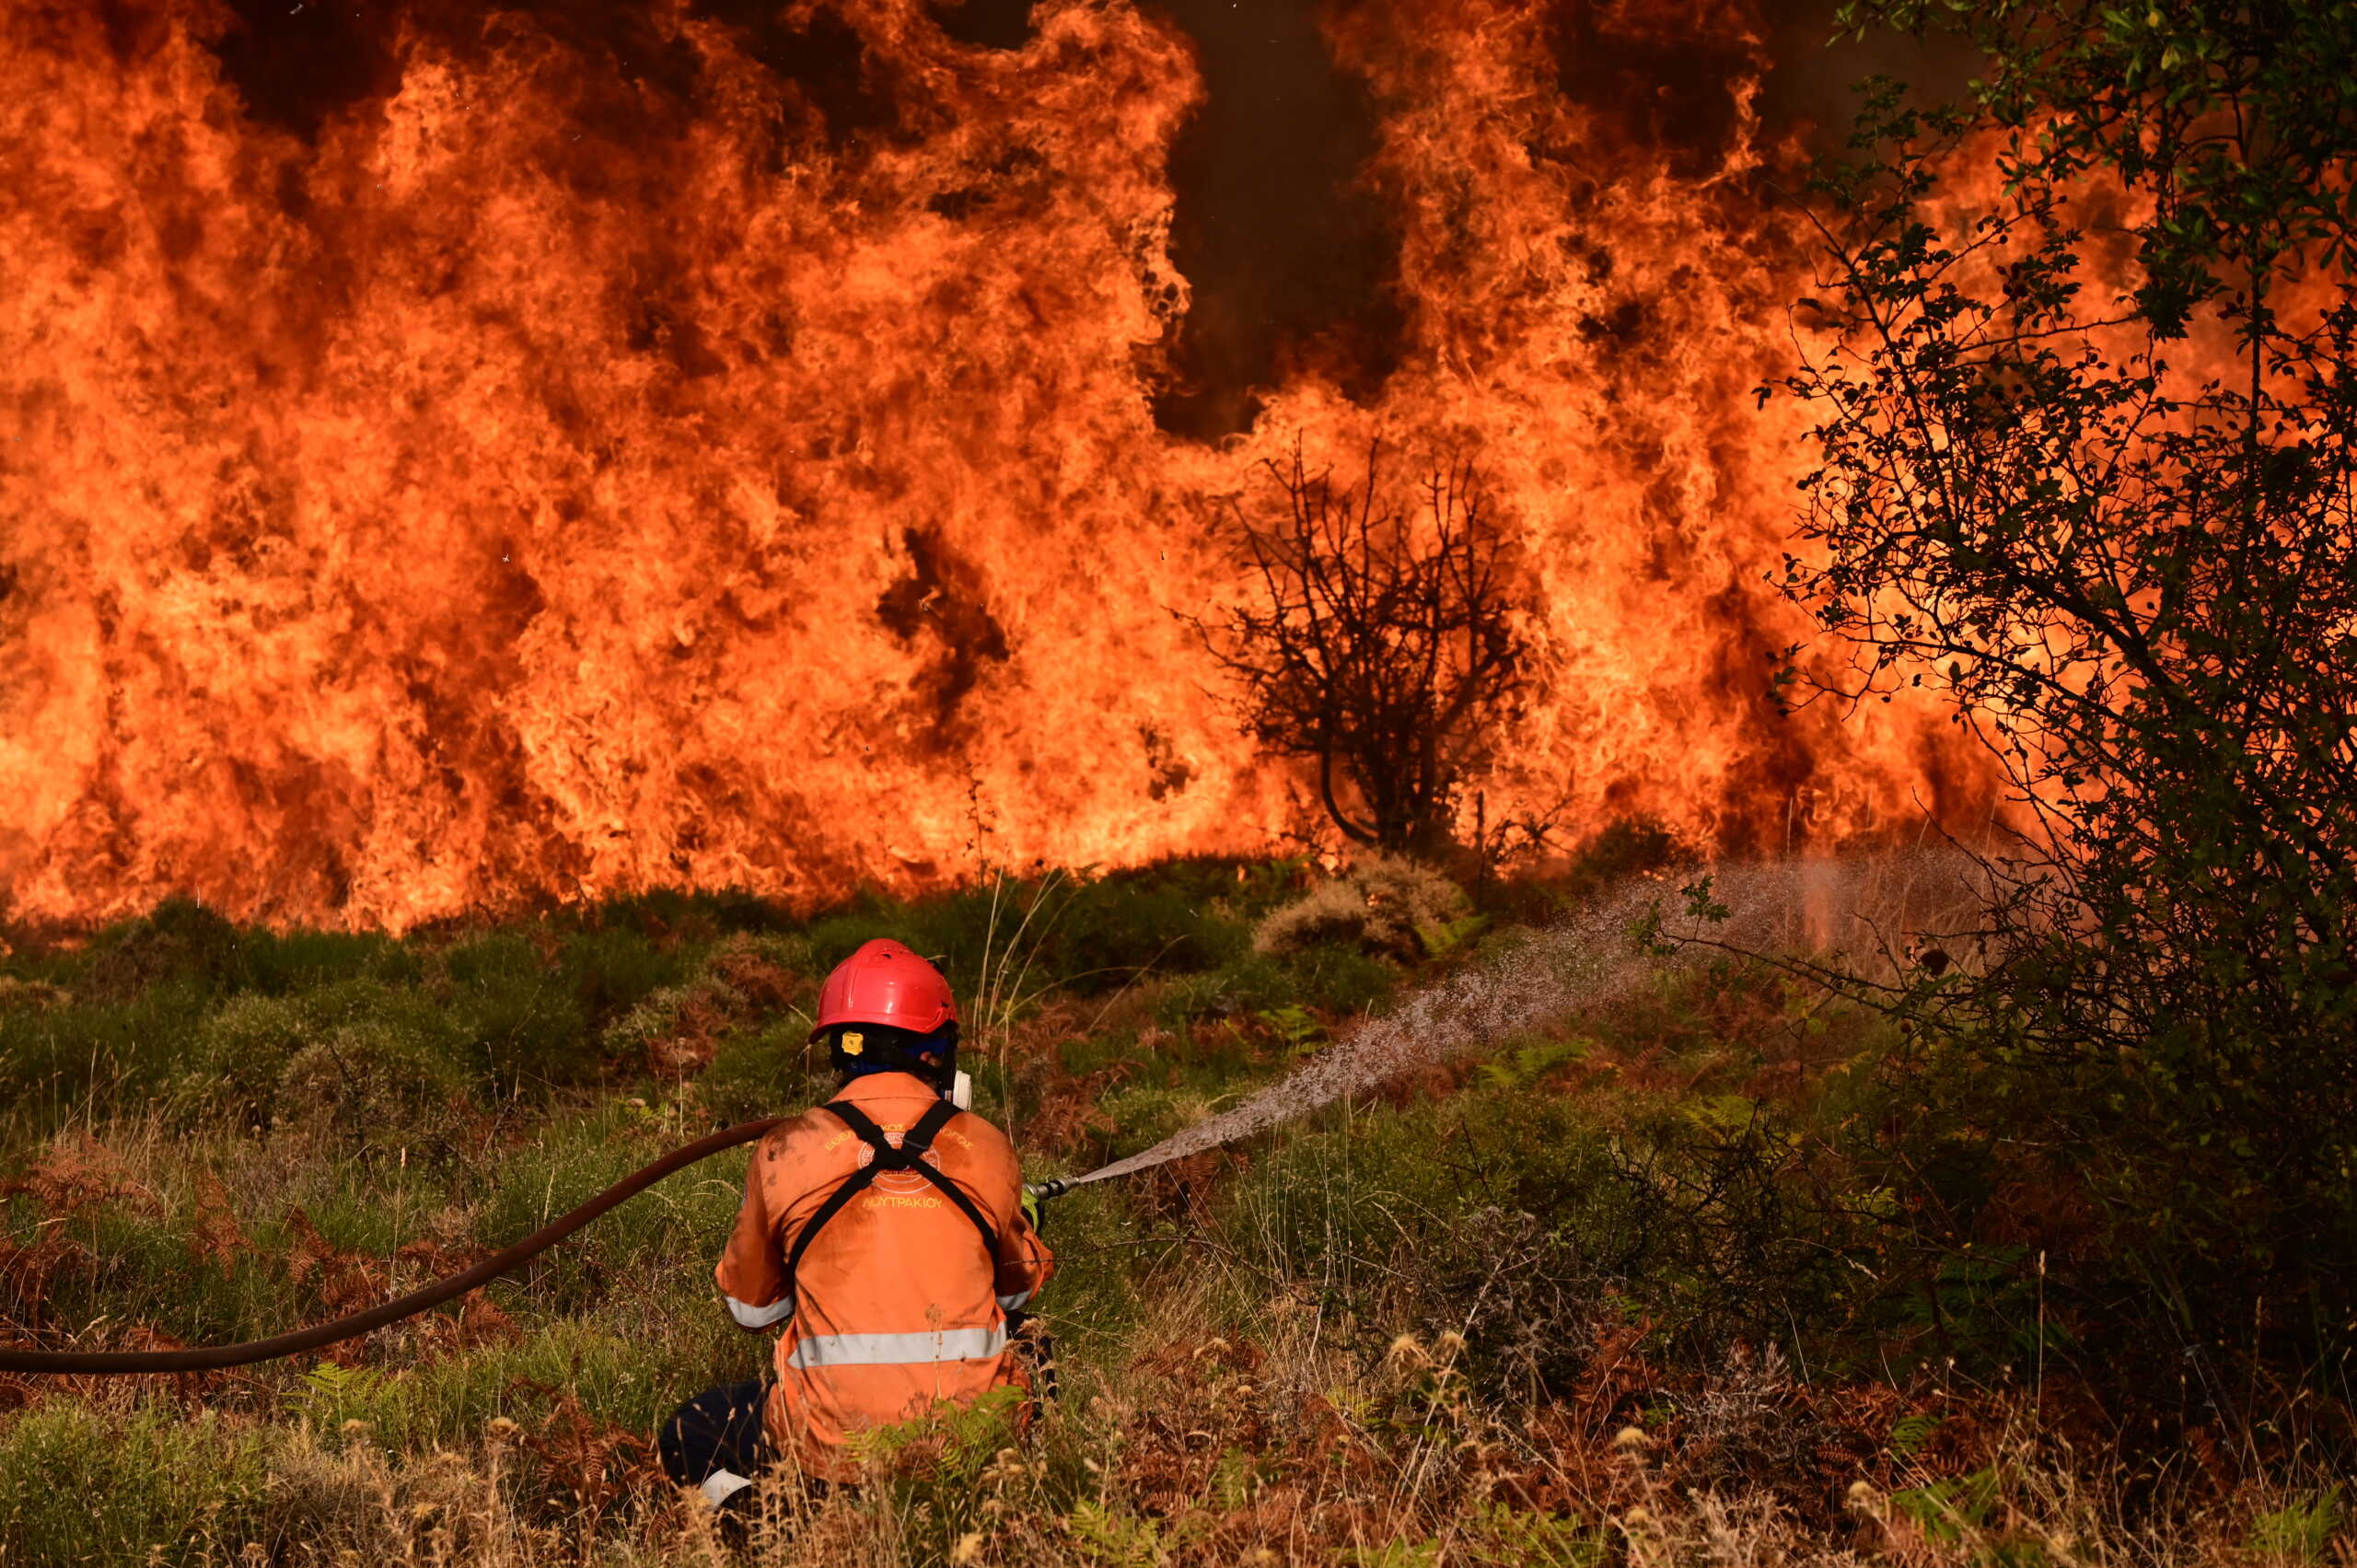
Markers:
{"x": 1810, "y": 83}
{"x": 293, "y": 71}
{"x": 1293, "y": 260}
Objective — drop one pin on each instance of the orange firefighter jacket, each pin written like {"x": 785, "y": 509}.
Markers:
{"x": 898, "y": 1306}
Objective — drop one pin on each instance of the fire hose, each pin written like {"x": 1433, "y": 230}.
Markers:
{"x": 209, "y": 1358}
{"x": 1253, "y": 1113}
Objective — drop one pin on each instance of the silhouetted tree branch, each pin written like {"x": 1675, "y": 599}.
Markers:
{"x": 1381, "y": 645}
{"x": 2110, "y": 511}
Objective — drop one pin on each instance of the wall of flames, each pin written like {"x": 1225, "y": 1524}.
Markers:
{"x": 467, "y": 504}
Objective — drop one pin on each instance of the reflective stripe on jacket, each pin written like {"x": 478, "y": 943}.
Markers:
{"x": 899, "y": 1306}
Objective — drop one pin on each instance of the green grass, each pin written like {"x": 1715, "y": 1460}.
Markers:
{"x": 79, "y": 1485}
{"x": 1404, "y": 1330}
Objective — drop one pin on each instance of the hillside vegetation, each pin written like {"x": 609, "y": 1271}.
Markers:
{"x": 1721, "y": 1276}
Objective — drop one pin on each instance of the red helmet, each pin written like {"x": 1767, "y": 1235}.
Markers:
{"x": 885, "y": 983}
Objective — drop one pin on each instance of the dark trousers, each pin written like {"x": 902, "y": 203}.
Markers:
{"x": 717, "y": 1443}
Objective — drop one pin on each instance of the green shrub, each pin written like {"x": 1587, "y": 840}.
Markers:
{"x": 1337, "y": 978}
{"x": 766, "y": 1072}
{"x": 1076, "y": 931}
{"x": 179, "y": 940}
{"x": 614, "y": 967}
{"x": 523, "y": 1025}
{"x": 241, "y": 1055}
{"x": 154, "y": 1486}
{"x": 373, "y": 1082}
{"x": 276, "y": 964}
{"x": 1516, "y": 1215}
{"x": 1144, "y": 1114}
{"x": 1165, "y": 920}
{"x": 2300, "y": 1531}
{"x": 355, "y": 1040}
{"x": 98, "y": 1053}
{"x": 837, "y": 934}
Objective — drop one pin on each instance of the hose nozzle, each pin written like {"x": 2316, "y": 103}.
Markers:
{"x": 1055, "y": 1187}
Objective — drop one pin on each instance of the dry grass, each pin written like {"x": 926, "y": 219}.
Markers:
{"x": 1467, "y": 1323}
{"x": 1385, "y": 902}
{"x": 1236, "y": 1417}
{"x": 1211, "y": 1449}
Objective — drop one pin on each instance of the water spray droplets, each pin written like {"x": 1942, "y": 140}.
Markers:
{"x": 1856, "y": 909}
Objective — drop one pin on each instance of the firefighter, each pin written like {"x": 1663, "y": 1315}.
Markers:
{"x": 886, "y": 1232}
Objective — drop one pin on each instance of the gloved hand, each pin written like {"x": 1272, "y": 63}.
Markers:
{"x": 1031, "y": 1208}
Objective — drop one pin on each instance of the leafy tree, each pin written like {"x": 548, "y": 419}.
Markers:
{"x": 1381, "y": 643}
{"x": 2088, "y": 439}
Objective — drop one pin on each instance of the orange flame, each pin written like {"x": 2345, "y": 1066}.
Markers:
{"x": 475, "y": 502}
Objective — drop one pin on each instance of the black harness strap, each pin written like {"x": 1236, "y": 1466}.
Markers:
{"x": 910, "y": 1156}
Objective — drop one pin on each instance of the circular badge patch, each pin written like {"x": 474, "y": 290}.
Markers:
{"x": 902, "y": 1182}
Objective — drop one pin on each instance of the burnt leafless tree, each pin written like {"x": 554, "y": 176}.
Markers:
{"x": 1380, "y": 642}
